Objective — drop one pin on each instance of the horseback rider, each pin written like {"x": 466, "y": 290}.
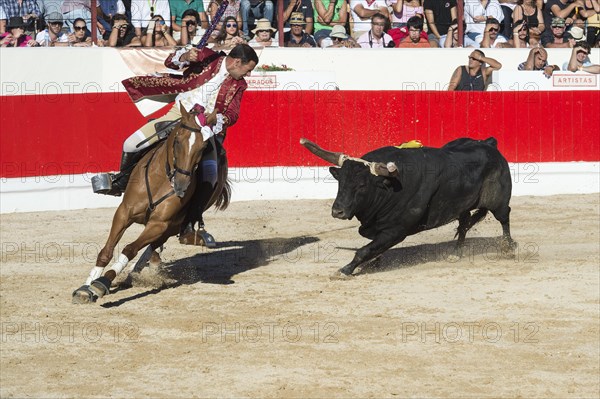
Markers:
{"x": 212, "y": 87}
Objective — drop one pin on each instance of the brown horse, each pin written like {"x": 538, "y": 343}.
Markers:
{"x": 158, "y": 195}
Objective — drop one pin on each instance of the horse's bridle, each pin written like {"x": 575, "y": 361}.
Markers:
{"x": 171, "y": 173}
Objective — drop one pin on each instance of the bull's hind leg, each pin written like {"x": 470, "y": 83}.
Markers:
{"x": 85, "y": 294}
{"x": 502, "y": 214}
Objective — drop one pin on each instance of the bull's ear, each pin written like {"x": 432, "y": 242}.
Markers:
{"x": 335, "y": 172}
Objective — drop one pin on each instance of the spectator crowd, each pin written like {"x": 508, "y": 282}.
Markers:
{"x": 534, "y": 24}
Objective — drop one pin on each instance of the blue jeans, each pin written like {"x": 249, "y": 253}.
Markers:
{"x": 264, "y": 9}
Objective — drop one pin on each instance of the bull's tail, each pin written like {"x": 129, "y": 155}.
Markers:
{"x": 491, "y": 141}
{"x": 223, "y": 185}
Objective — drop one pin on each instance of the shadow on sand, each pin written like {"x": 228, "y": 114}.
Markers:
{"x": 487, "y": 248}
{"x": 219, "y": 265}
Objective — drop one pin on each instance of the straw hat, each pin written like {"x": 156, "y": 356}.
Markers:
{"x": 297, "y": 18}
{"x": 263, "y": 24}
{"x": 338, "y": 31}
{"x": 577, "y": 33}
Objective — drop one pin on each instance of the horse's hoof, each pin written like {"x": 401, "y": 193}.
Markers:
{"x": 199, "y": 238}
{"x": 338, "y": 275}
{"x": 100, "y": 286}
{"x": 83, "y": 295}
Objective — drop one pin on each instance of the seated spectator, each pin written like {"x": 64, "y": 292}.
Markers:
{"x": 157, "y": 34}
{"x": 304, "y": 7}
{"x": 143, "y": 12}
{"x": 538, "y": 61}
{"x": 252, "y": 10}
{"x": 591, "y": 12}
{"x": 53, "y": 34}
{"x": 339, "y": 38}
{"x": 440, "y": 15}
{"x": 531, "y": 13}
{"x": 179, "y": 7}
{"x": 122, "y": 33}
{"x": 491, "y": 37}
{"x": 191, "y": 32}
{"x": 106, "y": 10}
{"x": 229, "y": 36}
{"x": 361, "y": 12}
{"x": 476, "y": 75}
{"x": 557, "y": 37}
{"x": 16, "y": 37}
{"x": 80, "y": 37}
{"x": 403, "y": 10}
{"x": 450, "y": 40}
{"x": 328, "y": 13}
{"x": 263, "y": 34}
{"x": 519, "y": 36}
{"x": 415, "y": 38}
{"x": 579, "y": 57}
{"x": 297, "y": 37}
{"x": 376, "y": 37}
{"x": 477, "y": 12}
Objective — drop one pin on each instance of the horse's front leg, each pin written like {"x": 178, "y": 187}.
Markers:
{"x": 153, "y": 231}
{"x": 121, "y": 221}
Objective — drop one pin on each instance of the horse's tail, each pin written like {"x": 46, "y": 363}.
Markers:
{"x": 223, "y": 185}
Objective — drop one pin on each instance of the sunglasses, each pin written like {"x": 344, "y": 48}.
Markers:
{"x": 231, "y": 25}
{"x": 494, "y": 29}
{"x": 337, "y": 39}
{"x": 557, "y": 26}
{"x": 190, "y": 23}
{"x": 78, "y": 28}
{"x": 160, "y": 21}
{"x": 56, "y": 23}
{"x": 298, "y": 25}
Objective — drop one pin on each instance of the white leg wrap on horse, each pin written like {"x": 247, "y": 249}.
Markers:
{"x": 119, "y": 265}
{"x": 94, "y": 274}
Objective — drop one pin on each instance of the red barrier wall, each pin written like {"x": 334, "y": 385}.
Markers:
{"x": 72, "y": 134}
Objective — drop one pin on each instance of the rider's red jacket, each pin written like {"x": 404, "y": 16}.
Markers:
{"x": 196, "y": 74}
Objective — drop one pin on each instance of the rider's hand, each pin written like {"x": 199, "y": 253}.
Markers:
{"x": 191, "y": 56}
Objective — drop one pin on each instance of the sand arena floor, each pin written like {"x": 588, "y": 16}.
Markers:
{"x": 260, "y": 317}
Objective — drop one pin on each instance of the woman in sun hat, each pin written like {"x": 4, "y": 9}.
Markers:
{"x": 263, "y": 34}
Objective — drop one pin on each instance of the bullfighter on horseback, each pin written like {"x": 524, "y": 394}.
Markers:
{"x": 211, "y": 87}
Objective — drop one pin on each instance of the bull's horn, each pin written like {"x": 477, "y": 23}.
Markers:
{"x": 331, "y": 157}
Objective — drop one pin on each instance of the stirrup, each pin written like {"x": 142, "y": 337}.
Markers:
{"x": 103, "y": 184}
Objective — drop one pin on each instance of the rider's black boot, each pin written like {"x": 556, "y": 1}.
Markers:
{"x": 119, "y": 181}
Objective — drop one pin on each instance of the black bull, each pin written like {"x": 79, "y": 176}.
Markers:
{"x": 395, "y": 193}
